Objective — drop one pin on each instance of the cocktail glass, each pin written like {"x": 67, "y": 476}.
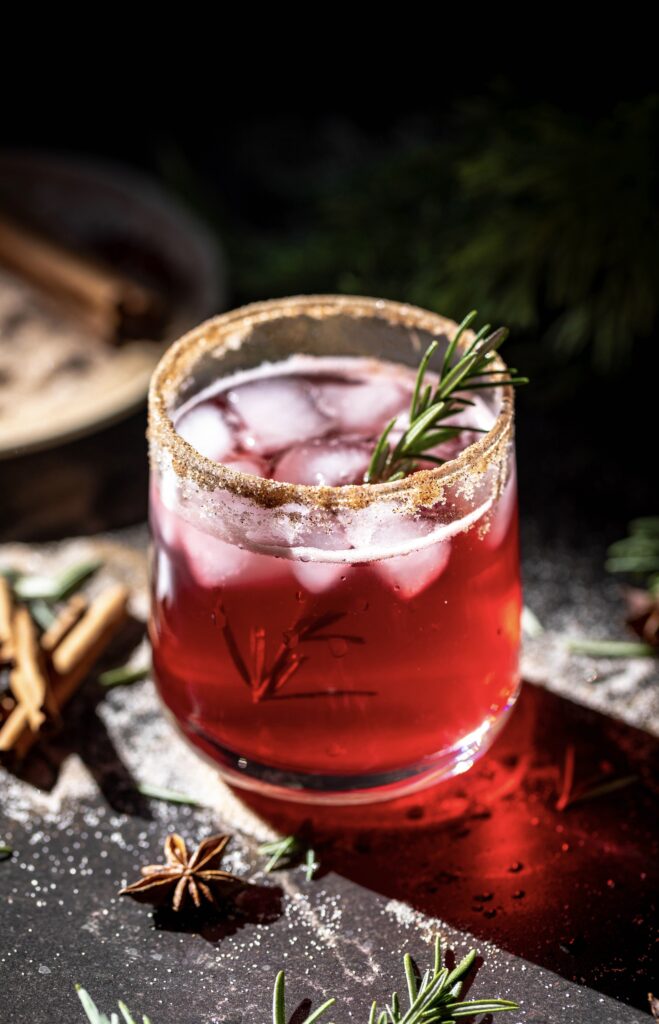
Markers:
{"x": 331, "y": 644}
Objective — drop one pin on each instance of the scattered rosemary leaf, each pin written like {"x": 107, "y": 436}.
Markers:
{"x": 611, "y": 648}
{"x": 612, "y": 786}
{"x": 94, "y": 1016}
{"x": 170, "y": 796}
{"x": 279, "y": 1015}
{"x": 531, "y": 625}
{"x": 124, "y": 675}
{"x": 55, "y": 588}
{"x": 42, "y": 613}
{"x": 281, "y": 852}
{"x": 5, "y": 851}
{"x": 310, "y": 864}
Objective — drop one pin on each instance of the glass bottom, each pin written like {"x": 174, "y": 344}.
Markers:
{"x": 316, "y": 788}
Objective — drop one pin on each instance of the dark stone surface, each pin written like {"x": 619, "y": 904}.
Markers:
{"x": 487, "y": 854}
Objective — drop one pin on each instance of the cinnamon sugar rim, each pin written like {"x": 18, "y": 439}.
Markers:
{"x": 422, "y": 488}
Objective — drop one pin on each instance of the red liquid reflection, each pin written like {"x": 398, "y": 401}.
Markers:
{"x": 574, "y": 891}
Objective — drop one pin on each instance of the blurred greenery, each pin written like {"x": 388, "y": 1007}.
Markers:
{"x": 542, "y": 219}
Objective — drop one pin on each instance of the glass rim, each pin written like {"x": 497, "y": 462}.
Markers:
{"x": 219, "y": 333}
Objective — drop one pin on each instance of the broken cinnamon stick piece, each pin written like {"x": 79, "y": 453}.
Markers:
{"x": 14, "y": 728}
{"x": 66, "y": 619}
{"x": 28, "y": 681}
{"x": 112, "y": 305}
{"x": 106, "y": 612}
{"x": 6, "y": 646}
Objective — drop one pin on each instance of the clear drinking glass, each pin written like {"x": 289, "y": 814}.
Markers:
{"x": 331, "y": 644}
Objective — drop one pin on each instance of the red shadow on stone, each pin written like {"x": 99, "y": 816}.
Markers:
{"x": 573, "y": 890}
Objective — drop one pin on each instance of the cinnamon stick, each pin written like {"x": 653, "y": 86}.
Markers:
{"x": 107, "y": 611}
{"x": 6, "y": 646}
{"x": 28, "y": 681}
{"x": 110, "y": 304}
{"x": 66, "y": 619}
{"x": 71, "y": 662}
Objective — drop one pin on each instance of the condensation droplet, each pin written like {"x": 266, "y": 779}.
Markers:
{"x": 338, "y": 647}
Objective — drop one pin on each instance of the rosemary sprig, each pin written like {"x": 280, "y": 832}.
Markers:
{"x": 471, "y": 371}
{"x": 638, "y": 552}
{"x": 433, "y": 998}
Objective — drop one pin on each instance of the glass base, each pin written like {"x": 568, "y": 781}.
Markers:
{"x": 312, "y": 788}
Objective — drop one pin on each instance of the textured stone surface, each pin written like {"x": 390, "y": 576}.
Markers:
{"x": 560, "y": 904}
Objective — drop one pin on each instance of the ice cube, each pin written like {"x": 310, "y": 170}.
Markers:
{"x": 214, "y": 562}
{"x": 206, "y": 429}
{"x": 318, "y": 576}
{"x": 248, "y": 464}
{"x": 378, "y": 530}
{"x": 410, "y": 574}
{"x": 276, "y": 413}
{"x": 211, "y": 561}
{"x": 326, "y": 463}
{"x": 362, "y": 408}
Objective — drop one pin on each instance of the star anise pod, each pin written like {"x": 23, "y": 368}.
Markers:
{"x": 183, "y": 878}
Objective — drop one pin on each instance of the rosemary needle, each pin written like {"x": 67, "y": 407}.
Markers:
{"x": 170, "y": 796}
{"x": 310, "y": 865}
{"x": 124, "y": 675}
{"x": 55, "y": 588}
{"x": 281, "y": 852}
{"x": 611, "y": 648}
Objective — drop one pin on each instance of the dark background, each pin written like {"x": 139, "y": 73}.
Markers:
{"x": 531, "y": 196}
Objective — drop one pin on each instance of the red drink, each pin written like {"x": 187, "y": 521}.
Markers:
{"x": 349, "y": 642}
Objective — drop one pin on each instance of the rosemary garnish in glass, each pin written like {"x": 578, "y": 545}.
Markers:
{"x": 430, "y": 405}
